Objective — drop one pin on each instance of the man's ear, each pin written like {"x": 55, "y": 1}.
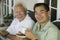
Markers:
{"x": 49, "y": 14}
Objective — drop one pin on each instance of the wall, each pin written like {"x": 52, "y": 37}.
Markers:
{"x": 28, "y": 3}
{"x": 40, "y": 1}
{"x": 58, "y": 9}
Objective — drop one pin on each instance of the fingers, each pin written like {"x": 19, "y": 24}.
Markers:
{"x": 30, "y": 34}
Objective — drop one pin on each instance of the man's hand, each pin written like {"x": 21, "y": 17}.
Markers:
{"x": 10, "y": 36}
{"x": 14, "y": 37}
{"x": 30, "y": 35}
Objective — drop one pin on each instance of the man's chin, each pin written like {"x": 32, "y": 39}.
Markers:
{"x": 40, "y": 21}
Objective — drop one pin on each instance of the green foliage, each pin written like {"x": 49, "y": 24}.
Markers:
{"x": 9, "y": 16}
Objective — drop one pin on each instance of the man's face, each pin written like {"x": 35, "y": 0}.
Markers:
{"x": 41, "y": 14}
{"x": 19, "y": 13}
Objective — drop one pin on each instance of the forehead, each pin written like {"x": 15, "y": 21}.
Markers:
{"x": 18, "y": 7}
{"x": 40, "y": 8}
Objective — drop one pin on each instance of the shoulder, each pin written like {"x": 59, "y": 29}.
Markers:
{"x": 29, "y": 20}
{"x": 52, "y": 32}
{"x": 53, "y": 29}
{"x": 15, "y": 20}
{"x": 52, "y": 26}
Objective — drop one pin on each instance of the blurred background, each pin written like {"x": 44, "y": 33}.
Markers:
{"x": 6, "y": 9}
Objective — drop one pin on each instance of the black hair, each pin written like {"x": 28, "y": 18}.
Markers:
{"x": 46, "y": 6}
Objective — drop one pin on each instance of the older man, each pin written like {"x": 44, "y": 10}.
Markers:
{"x": 43, "y": 29}
{"x": 21, "y": 22}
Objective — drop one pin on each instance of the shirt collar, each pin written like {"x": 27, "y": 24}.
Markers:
{"x": 47, "y": 26}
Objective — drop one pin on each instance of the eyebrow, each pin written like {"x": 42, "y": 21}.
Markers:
{"x": 43, "y": 10}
